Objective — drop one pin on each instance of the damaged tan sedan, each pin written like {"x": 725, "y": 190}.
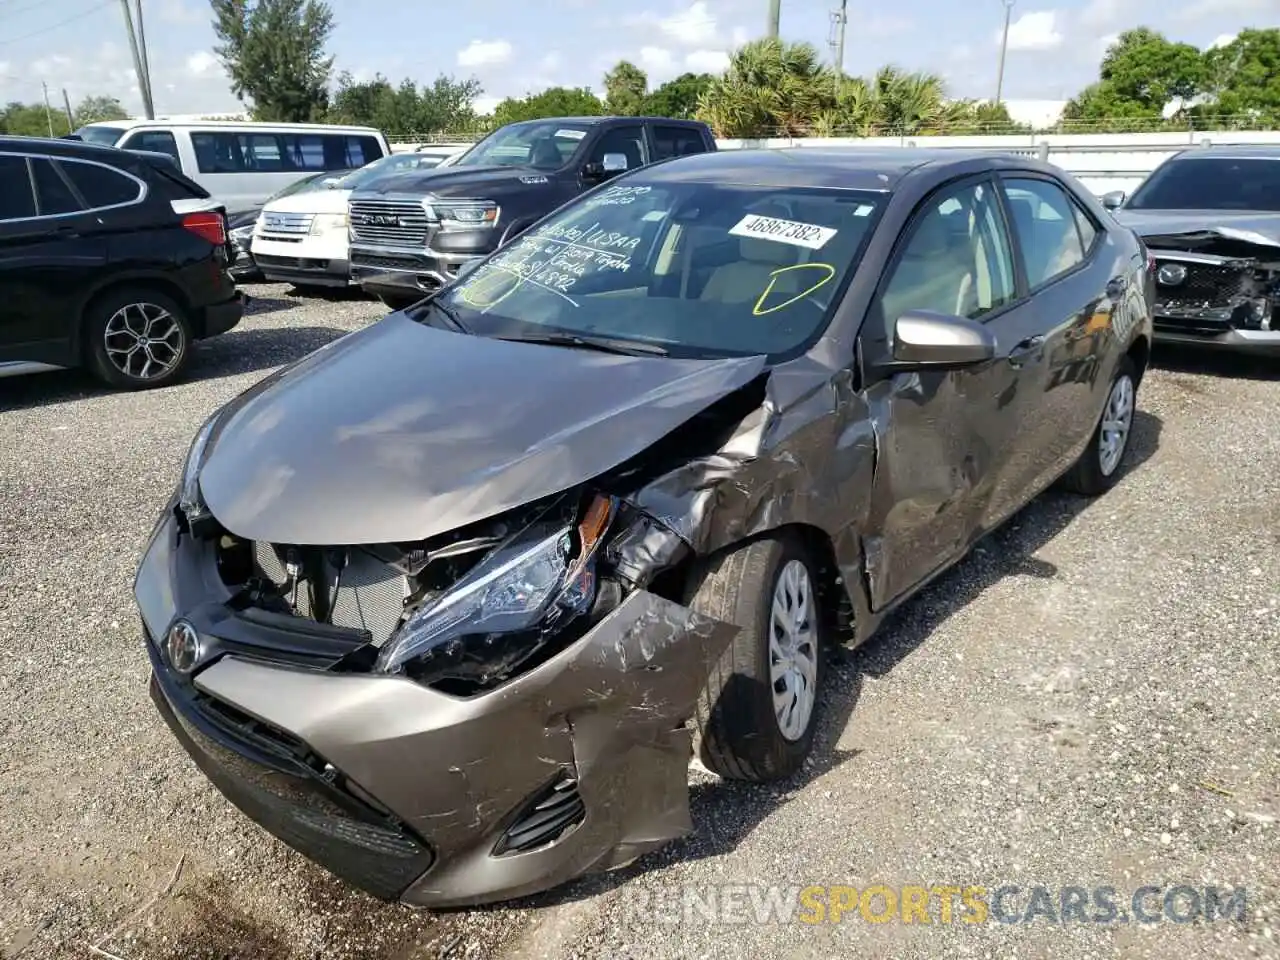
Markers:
{"x": 450, "y": 604}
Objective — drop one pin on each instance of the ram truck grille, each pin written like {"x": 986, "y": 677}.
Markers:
{"x": 393, "y": 223}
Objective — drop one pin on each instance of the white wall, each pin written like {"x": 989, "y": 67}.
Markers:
{"x": 1103, "y": 162}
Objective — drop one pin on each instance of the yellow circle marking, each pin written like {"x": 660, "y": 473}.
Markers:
{"x": 759, "y": 311}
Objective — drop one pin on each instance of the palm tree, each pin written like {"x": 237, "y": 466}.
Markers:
{"x": 771, "y": 87}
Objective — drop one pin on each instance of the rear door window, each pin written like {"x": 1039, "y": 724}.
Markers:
{"x": 1044, "y": 220}
{"x": 53, "y": 196}
{"x": 101, "y": 186}
{"x": 158, "y": 141}
{"x": 217, "y": 152}
{"x": 676, "y": 142}
{"x": 17, "y": 200}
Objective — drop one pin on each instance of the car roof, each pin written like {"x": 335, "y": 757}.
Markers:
{"x": 1229, "y": 151}
{"x": 592, "y": 121}
{"x": 854, "y": 168}
{"x": 229, "y": 125}
{"x": 65, "y": 148}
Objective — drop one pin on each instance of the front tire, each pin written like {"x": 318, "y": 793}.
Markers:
{"x": 1098, "y": 468}
{"x": 757, "y": 715}
{"x": 137, "y": 338}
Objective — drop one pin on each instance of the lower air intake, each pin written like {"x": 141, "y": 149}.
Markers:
{"x": 548, "y": 816}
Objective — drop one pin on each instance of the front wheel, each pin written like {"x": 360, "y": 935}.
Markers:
{"x": 137, "y": 338}
{"x": 1098, "y": 468}
{"x": 757, "y": 715}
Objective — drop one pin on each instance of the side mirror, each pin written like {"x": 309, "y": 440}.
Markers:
{"x": 924, "y": 339}
{"x": 614, "y": 162}
{"x": 1113, "y": 200}
{"x": 611, "y": 165}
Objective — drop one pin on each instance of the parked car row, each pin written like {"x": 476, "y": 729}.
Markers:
{"x": 606, "y": 498}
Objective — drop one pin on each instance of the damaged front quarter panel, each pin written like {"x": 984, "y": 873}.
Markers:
{"x": 602, "y": 719}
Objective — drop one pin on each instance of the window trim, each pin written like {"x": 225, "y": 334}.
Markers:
{"x": 908, "y": 232}
{"x": 1088, "y": 256}
{"x": 58, "y": 172}
{"x": 139, "y": 132}
{"x": 144, "y": 189}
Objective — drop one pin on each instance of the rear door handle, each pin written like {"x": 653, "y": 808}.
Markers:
{"x": 1023, "y": 350}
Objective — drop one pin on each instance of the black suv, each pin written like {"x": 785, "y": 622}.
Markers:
{"x": 411, "y": 232}
{"x": 109, "y": 259}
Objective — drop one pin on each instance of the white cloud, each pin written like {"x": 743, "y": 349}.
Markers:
{"x": 483, "y": 53}
{"x": 707, "y": 61}
{"x": 657, "y": 61}
{"x": 1100, "y": 14}
{"x": 1034, "y": 31}
{"x": 484, "y": 105}
{"x": 550, "y": 62}
{"x": 1222, "y": 40}
{"x": 1105, "y": 42}
{"x": 202, "y": 63}
{"x": 1209, "y": 9}
{"x": 175, "y": 11}
{"x": 694, "y": 26}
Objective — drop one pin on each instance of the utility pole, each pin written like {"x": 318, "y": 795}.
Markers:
{"x": 146, "y": 64}
{"x": 838, "y": 20}
{"x": 137, "y": 61}
{"x": 775, "y": 18}
{"x": 48, "y": 114}
{"x": 1004, "y": 45}
{"x": 66, "y": 102}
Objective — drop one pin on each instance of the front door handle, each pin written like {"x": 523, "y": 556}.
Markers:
{"x": 1025, "y": 349}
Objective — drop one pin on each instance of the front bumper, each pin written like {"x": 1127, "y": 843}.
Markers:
{"x": 1256, "y": 342}
{"x": 400, "y": 271}
{"x": 307, "y": 271}
{"x": 577, "y": 765}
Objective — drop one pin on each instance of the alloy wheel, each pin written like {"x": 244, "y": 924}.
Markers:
{"x": 793, "y": 650}
{"x": 144, "y": 341}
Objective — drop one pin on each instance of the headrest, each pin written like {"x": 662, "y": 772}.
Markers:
{"x": 933, "y": 236}
{"x": 768, "y": 251}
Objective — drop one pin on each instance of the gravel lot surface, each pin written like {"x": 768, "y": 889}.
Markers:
{"x": 1091, "y": 699}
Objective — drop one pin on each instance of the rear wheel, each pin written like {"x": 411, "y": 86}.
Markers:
{"x": 757, "y": 716}
{"x": 137, "y": 338}
{"x": 1098, "y": 468}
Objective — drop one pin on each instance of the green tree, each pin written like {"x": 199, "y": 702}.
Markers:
{"x": 772, "y": 88}
{"x": 1244, "y": 77}
{"x": 1142, "y": 73}
{"x": 274, "y": 53}
{"x": 678, "y": 98}
{"x": 625, "y": 88}
{"x": 445, "y": 106}
{"x": 553, "y": 102}
{"x": 93, "y": 109}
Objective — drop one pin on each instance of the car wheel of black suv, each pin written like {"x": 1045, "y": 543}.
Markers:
{"x": 1098, "y": 468}
{"x": 757, "y": 715}
{"x": 137, "y": 338}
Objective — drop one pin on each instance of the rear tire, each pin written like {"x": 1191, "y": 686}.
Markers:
{"x": 137, "y": 338}
{"x": 1099, "y": 467}
{"x": 742, "y": 735}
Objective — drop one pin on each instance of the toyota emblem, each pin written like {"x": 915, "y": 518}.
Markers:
{"x": 183, "y": 646}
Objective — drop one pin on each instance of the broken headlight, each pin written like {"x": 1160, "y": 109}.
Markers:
{"x": 507, "y": 607}
{"x": 190, "y": 500}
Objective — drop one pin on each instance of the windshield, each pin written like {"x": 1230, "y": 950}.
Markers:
{"x": 107, "y": 136}
{"x": 699, "y": 269}
{"x": 539, "y": 144}
{"x": 1211, "y": 183}
{"x": 313, "y": 182}
{"x": 383, "y": 167}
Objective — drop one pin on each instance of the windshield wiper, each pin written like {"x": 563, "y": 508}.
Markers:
{"x": 447, "y": 311}
{"x": 627, "y": 348}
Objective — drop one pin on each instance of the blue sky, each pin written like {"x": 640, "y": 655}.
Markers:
{"x": 515, "y": 46}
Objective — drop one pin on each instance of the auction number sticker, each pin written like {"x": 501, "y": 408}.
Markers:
{"x": 571, "y": 134}
{"x": 783, "y": 231}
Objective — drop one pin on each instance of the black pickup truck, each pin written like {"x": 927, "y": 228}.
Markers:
{"x": 411, "y": 232}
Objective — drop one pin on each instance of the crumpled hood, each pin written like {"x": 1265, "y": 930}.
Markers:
{"x": 1247, "y": 227}
{"x": 402, "y": 431}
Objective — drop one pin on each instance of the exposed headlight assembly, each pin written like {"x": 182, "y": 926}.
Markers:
{"x": 190, "y": 501}
{"x": 522, "y": 594}
{"x": 463, "y": 214}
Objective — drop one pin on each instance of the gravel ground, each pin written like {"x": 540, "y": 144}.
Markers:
{"x": 1088, "y": 700}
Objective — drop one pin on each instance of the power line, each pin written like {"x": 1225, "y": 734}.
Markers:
{"x": 54, "y": 26}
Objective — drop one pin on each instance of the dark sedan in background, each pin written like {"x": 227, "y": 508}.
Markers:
{"x": 448, "y": 604}
{"x": 1211, "y": 217}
